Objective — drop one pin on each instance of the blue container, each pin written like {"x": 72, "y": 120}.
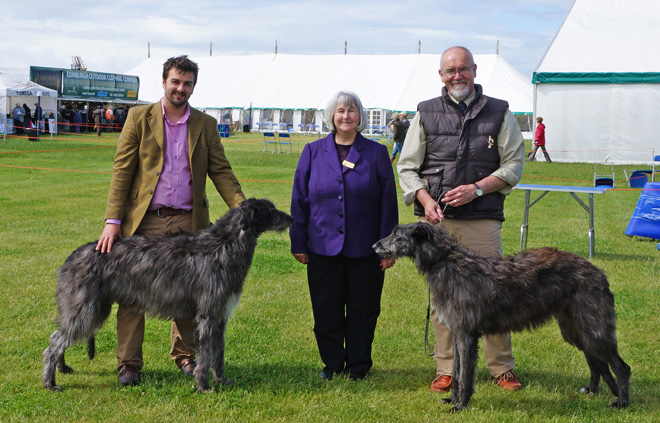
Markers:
{"x": 645, "y": 221}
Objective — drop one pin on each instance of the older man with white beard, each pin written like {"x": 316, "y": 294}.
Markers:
{"x": 462, "y": 156}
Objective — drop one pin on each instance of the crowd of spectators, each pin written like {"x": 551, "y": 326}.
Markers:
{"x": 78, "y": 117}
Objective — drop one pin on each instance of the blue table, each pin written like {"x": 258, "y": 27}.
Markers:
{"x": 558, "y": 188}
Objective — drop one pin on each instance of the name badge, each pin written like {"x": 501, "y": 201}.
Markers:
{"x": 348, "y": 164}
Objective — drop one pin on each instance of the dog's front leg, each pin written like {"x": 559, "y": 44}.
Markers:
{"x": 50, "y": 363}
{"x": 465, "y": 360}
{"x": 595, "y": 367}
{"x": 54, "y": 358}
{"x": 204, "y": 334}
{"x": 456, "y": 367}
{"x": 218, "y": 364}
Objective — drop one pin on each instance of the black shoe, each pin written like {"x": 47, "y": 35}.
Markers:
{"x": 188, "y": 367}
{"x": 128, "y": 375}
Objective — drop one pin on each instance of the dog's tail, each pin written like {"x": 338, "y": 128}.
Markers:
{"x": 91, "y": 347}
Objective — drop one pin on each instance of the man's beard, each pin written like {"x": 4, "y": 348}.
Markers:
{"x": 459, "y": 92}
{"x": 177, "y": 101}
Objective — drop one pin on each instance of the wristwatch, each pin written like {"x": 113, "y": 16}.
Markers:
{"x": 479, "y": 192}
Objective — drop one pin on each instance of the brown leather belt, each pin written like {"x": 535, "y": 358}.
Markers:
{"x": 167, "y": 211}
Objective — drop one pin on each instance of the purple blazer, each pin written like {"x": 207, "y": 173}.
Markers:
{"x": 337, "y": 209}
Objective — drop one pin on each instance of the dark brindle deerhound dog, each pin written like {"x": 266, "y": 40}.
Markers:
{"x": 474, "y": 296}
{"x": 189, "y": 277}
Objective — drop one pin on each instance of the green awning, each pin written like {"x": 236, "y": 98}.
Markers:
{"x": 596, "y": 78}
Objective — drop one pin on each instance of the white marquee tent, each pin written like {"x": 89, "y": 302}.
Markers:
{"x": 598, "y": 86}
{"x": 290, "y": 89}
{"x": 16, "y": 87}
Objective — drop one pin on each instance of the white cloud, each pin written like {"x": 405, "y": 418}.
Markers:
{"x": 113, "y": 37}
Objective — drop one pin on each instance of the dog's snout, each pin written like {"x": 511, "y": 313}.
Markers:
{"x": 377, "y": 247}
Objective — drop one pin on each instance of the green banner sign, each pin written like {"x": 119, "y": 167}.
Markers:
{"x": 99, "y": 85}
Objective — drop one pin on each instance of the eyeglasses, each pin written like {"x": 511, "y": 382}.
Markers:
{"x": 450, "y": 73}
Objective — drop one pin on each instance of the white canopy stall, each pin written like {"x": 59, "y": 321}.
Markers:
{"x": 15, "y": 88}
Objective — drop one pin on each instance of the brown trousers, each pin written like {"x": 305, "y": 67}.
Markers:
{"x": 532, "y": 156}
{"x": 130, "y": 324}
{"x": 483, "y": 236}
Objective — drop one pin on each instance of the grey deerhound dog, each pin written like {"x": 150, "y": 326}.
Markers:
{"x": 189, "y": 277}
{"x": 475, "y": 295}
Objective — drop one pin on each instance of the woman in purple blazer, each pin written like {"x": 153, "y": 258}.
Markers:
{"x": 343, "y": 201}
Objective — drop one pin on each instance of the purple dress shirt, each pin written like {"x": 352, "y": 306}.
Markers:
{"x": 174, "y": 188}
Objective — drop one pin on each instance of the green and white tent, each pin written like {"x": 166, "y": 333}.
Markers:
{"x": 598, "y": 85}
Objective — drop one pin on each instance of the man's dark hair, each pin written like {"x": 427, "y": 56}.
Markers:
{"x": 182, "y": 64}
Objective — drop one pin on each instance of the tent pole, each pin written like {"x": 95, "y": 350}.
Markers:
{"x": 37, "y": 112}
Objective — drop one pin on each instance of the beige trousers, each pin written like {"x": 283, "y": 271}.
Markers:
{"x": 130, "y": 324}
{"x": 483, "y": 236}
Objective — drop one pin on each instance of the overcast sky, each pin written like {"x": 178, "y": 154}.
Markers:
{"x": 113, "y": 36}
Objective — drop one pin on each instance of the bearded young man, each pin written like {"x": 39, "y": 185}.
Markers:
{"x": 165, "y": 152}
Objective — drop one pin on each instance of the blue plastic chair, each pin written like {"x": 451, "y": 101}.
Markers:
{"x": 269, "y": 141}
{"x": 638, "y": 178}
{"x": 223, "y": 129}
{"x": 284, "y": 140}
{"x": 603, "y": 180}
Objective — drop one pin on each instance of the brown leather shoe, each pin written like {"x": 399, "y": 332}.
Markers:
{"x": 508, "y": 381}
{"x": 128, "y": 375}
{"x": 188, "y": 367}
{"x": 442, "y": 383}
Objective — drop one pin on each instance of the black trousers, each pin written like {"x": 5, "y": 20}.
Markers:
{"x": 345, "y": 295}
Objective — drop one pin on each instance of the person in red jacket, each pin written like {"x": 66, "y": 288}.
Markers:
{"x": 539, "y": 141}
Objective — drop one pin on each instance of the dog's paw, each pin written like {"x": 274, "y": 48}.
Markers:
{"x": 456, "y": 409}
{"x": 225, "y": 381}
{"x": 54, "y": 388}
{"x": 204, "y": 390}
{"x": 588, "y": 390}
{"x": 620, "y": 404}
{"x": 65, "y": 369}
{"x": 447, "y": 401}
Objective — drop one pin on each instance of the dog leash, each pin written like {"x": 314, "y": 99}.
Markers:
{"x": 442, "y": 194}
{"x": 428, "y": 351}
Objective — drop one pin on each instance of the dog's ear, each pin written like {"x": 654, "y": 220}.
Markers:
{"x": 422, "y": 232}
{"x": 248, "y": 218}
{"x": 432, "y": 243}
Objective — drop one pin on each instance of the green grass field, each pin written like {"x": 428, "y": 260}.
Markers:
{"x": 52, "y": 199}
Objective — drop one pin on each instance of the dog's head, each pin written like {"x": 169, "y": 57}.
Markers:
{"x": 397, "y": 244}
{"x": 420, "y": 241}
{"x": 260, "y": 215}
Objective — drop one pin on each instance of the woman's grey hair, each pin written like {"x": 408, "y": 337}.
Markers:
{"x": 347, "y": 98}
